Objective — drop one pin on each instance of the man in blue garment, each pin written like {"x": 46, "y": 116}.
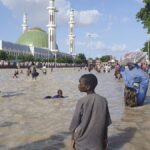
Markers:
{"x": 136, "y": 84}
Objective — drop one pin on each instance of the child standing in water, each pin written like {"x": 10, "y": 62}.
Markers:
{"x": 33, "y": 71}
{"x": 44, "y": 69}
{"x": 91, "y": 117}
{"x": 16, "y": 73}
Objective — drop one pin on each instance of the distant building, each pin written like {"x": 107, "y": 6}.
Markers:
{"x": 35, "y": 41}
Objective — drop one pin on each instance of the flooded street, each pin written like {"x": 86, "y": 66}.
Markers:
{"x": 30, "y": 122}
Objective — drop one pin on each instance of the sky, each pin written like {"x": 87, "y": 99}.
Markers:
{"x": 103, "y": 27}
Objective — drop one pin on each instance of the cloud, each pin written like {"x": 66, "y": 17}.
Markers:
{"x": 110, "y": 22}
{"x": 96, "y": 47}
{"x": 118, "y": 47}
{"x": 109, "y": 26}
{"x": 81, "y": 43}
{"x": 36, "y": 10}
{"x": 139, "y": 1}
{"x": 88, "y": 17}
{"x": 93, "y": 45}
{"x": 99, "y": 45}
{"x": 125, "y": 19}
{"x": 38, "y": 14}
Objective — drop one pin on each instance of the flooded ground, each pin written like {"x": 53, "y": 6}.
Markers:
{"x": 29, "y": 122}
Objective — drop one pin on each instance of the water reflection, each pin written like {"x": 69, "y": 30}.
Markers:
{"x": 54, "y": 142}
{"x": 10, "y": 94}
{"x": 117, "y": 141}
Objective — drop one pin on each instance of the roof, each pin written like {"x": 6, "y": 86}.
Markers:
{"x": 34, "y": 36}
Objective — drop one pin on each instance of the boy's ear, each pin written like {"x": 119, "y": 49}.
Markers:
{"x": 88, "y": 87}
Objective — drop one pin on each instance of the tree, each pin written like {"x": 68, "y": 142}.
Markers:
{"x": 105, "y": 58}
{"x": 144, "y": 15}
{"x": 145, "y": 48}
{"x": 80, "y": 59}
{"x": 11, "y": 57}
{"x": 22, "y": 57}
{"x": 65, "y": 60}
{"x": 3, "y": 55}
{"x": 29, "y": 58}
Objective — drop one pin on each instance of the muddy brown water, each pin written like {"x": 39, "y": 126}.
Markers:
{"x": 29, "y": 122}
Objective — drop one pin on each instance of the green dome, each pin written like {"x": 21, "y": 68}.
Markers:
{"x": 34, "y": 36}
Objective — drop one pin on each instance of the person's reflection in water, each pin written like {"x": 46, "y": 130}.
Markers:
{"x": 116, "y": 142}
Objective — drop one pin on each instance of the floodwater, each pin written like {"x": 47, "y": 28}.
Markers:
{"x": 29, "y": 122}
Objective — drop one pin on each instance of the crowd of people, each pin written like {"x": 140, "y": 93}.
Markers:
{"x": 101, "y": 68}
{"x": 31, "y": 70}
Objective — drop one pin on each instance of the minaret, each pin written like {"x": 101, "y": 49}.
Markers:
{"x": 52, "y": 26}
{"x": 71, "y": 34}
{"x": 24, "y": 24}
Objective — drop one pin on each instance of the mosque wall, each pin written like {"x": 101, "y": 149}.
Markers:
{"x": 0, "y": 44}
{"x": 17, "y": 49}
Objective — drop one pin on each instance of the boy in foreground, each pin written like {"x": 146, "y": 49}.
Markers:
{"x": 91, "y": 118}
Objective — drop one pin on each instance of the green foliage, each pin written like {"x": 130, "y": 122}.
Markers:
{"x": 51, "y": 60}
{"x": 145, "y": 48}
{"x": 64, "y": 60}
{"x": 80, "y": 59}
{"x": 22, "y": 58}
{"x": 105, "y": 58}
{"x": 38, "y": 59}
{"x": 144, "y": 15}
{"x": 11, "y": 57}
{"x": 3, "y": 55}
{"x": 29, "y": 58}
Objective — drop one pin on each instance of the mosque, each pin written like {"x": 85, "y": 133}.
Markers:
{"x": 39, "y": 43}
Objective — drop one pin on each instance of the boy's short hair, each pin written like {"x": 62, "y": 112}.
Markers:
{"x": 59, "y": 91}
{"x": 91, "y": 80}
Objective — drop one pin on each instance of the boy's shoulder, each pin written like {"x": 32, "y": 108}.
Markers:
{"x": 93, "y": 96}
{"x": 100, "y": 97}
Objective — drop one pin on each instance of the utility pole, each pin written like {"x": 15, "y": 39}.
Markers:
{"x": 55, "y": 59}
{"x": 148, "y": 52}
{"x": 48, "y": 58}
